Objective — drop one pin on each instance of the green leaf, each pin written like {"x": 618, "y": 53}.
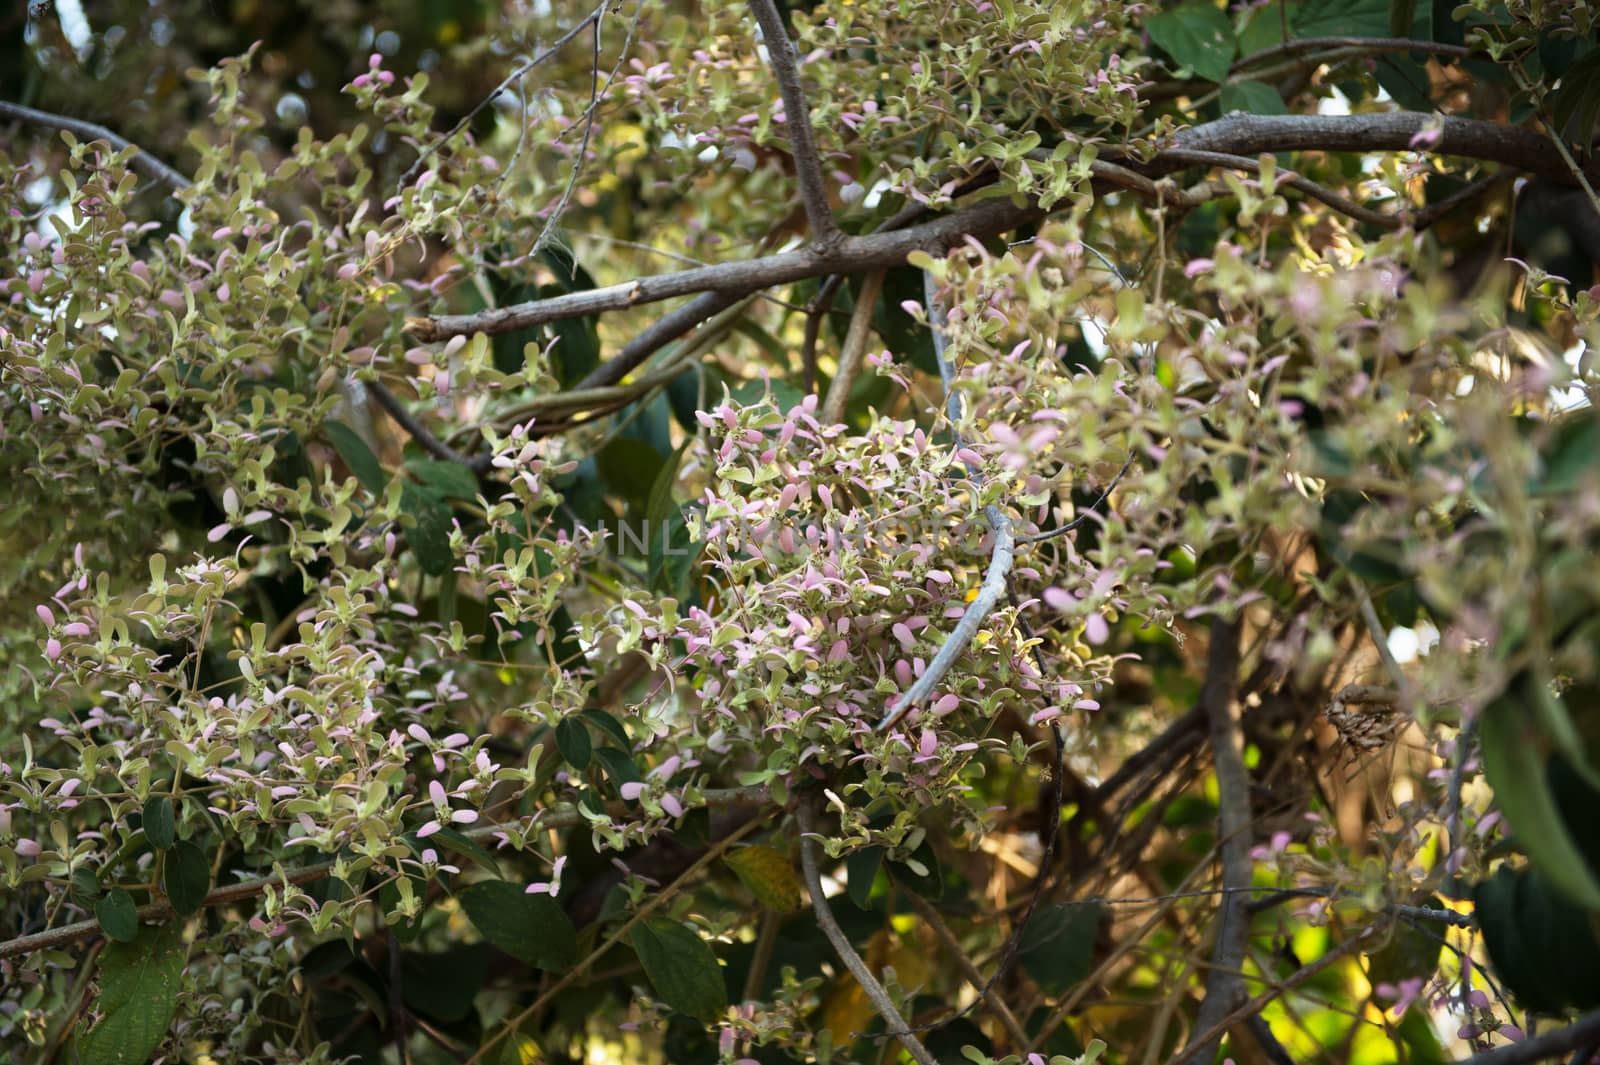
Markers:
{"x": 160, "y": 829}
{"x": 531, "y": 928}
{"x": 460, "y": 844}
{"x": 1198, "y": 36}
{"x": 139, "y": 983}
{"x": 447, "y": 480}
{"x": 769, "y": 875}
{"x": 1412, "y": 951}
{"x": 429, "y": 533}
{"x": 861, "y": 870}
{"x": 930, "y": 885}
{"x": 1542, "y": 946}
{"x": 681, "y": 967}
{"x": 619, "y": 766}
{"x": 1342, "y": 18}
{"x": 572, "y": 739}
{"x": 630, "y": 468}
{"x": 660, "y": 506}
{"x": 1254, "y": 97}
{"x": 186, "y": 877}
{"x": 357, "y": 455}
{"x": 1058, "y": 947}
{"x": 118, "y": 916}
{"x": 609, "y": 725}
{"x": 1514, "y": 762}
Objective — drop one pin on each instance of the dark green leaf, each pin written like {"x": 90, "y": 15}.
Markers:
{"x": 1541, "y": 944}
{"x": 429, "y": 532}
{"x": 160, "y": 828}
{"x": 531, "y": 928}
{"x": 609, "y": 725}
{"x": 619, "y": 766}
{"x": 462, "y": 845}
{"x": 660, "y": 506}
{"x": 929, "y": 885}
{"x": 118, "y": 916}
{"x": 1198, "y": 36}
{"x": 630, "y": 467}
{"x": 186, "y": 877}
{"x": 1253, "y": 97}
{"x": 861, "y": 869}
{"x": 572, "y": 739}
{"x": 139, "y": 983}
{"x": 85, "y": 883}
{"x": 683, "y": 395}
{"x": 443, "y": 985}
{"x": 1342, "y": 18}
{"x": 1058, "y": 946}
{"x": 357, "y": 455}
{"x": 447, "y": 480}
{"x": 1514, "y": 763}
{"x": 681, "y": 967}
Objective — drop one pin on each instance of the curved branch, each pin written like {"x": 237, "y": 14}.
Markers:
{"x": 841, "y": 943}
{"x": 144, "y": 162}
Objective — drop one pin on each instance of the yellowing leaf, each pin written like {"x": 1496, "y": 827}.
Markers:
{"x": 769, "y": 876}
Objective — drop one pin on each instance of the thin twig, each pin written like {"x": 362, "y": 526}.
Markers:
{"x": 1210, "y": 1036}
{"x": 514, "y": 76}
{"x": 855, "y": 345}
{"x": 583, "y": 147}
{"x": 1339, "y": 203}
{"x": 841, "y": 943}
{"x": 143, "y": 162}
{"x": 994, "y": 1003}
{"x": 1088, "y": 512}
{"x": 1224, "y": 989}
{"x": 807, "y": 162}
{"x": 1372, "y": 44}
{"x": 419, "y": 432}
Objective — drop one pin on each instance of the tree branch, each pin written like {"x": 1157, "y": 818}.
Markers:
{"x": 1225, "y": 985}
{"x": 736, "y": 279}
{"x": 807, "y": 162}
{"x": 1339, "y": 203}
{"x": 841, "y": 943}
{"x": 1393, "y": 131}
{"x": 144, "y": 162}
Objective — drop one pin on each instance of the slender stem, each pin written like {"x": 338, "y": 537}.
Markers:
{"x": 144, "y": 162}
{"x": 419, "y": 432}
{"x": 995, "y": 1004}
{"x": 807, "y": 162}
{"x": 511, "y": 79}
{"x": 841, "y": 944}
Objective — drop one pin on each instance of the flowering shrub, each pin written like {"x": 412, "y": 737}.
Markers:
{"x": 1095, "y": 560}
